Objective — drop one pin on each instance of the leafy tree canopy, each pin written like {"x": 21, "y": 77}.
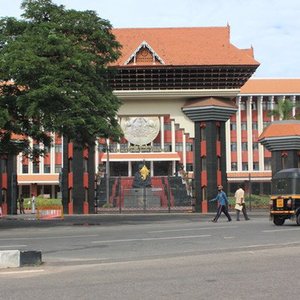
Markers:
{"x": 53, "y": 76}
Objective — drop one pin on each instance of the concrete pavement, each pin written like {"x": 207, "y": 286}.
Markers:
{"x": 110, "y": 219}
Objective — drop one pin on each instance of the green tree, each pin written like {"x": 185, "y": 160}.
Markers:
{"x": 54, "y": 65}
{"x": 284, "y": 110}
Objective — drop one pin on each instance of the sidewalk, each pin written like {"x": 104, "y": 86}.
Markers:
{"x": 113, "y": 219}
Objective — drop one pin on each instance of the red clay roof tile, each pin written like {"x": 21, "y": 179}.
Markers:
{"x": 185, "y": 46}
{"x": 210, "y": 101}
{"x": 281, "y": 129}
{"x": 271, "y": 86}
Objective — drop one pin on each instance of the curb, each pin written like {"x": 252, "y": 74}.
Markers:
{"x": 17, "y": 258}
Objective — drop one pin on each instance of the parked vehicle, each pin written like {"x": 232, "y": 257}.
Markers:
{"x": 285, "y": 198}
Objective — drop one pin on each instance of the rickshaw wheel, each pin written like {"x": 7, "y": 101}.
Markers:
{"x": 298, "y": 219}
{"x": 278, "y": 221}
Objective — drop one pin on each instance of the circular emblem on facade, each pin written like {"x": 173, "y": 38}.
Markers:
{"x": 140, "y": 130}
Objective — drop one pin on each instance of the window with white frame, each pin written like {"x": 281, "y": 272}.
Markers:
{"x": 244, "y": 125}
{"x": 233, "y": 147}
{"x": 255, "y": 146}
{"x": 267, "y": 163}
{"x": 245, "y": 166}
{"x": 242, "y": 105}
{"x": 232, "y": 126}
{"x": 244, "y": 146}
{"x": 234, "y": 166}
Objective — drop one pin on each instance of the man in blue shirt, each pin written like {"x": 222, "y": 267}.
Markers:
{"x": 223, "y": 204}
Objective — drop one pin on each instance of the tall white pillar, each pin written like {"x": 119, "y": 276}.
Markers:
{"x": 173, "y": 135}
{"x": 173, "y": 167}
{"x": 162, "y": 133}
{"x": 272, "y": 107}
{"x": 239, "y": 135}
{"x": 96, "y": 155}
{"x": 30, "y": 164}
{"x": 249, "y": 133}
{"x": 260, "y": 127}
{"x": 129, "y": 169}
{"x": 19, "y": 163}
{"x": 151, "y": 168}
{"x": 41, "y": 160}
{"x": 228, "y": 145}
{"x": 294, "y": 103}
{"x": 52, "y": 155}
{"x": 183, "y": 150}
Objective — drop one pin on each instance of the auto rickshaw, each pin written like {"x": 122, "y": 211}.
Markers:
{"x": 285, "y": 198}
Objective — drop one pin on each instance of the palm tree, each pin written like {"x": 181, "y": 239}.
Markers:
{"x": 284, "y": 110}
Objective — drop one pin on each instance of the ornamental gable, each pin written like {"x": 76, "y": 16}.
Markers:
{"x": 144, "y": 54}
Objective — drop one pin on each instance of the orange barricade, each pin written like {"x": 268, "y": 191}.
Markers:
{"x": 70, "y": 208}
{"x": 4, "y": 208}
{"x": 50, "y": 212}
{"x": 85, "y": 207}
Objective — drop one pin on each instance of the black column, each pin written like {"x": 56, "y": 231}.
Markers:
{"x": 223, "y": 156}
{"x": 1, "y": 172}
{"x": 197, "y": 167}
{"x": 64, "y": 188}
{"x": 211, "y": 162}
{"x": 12, "y": 184}
{"x": 78, "y": 189}
{"x": 215, "y": 162}
{"x": 91, "y": 171}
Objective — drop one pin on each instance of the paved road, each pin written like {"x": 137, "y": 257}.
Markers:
{"x": 181, "y": 256}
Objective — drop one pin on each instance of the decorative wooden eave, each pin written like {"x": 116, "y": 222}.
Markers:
{"x": 144, "y": 44}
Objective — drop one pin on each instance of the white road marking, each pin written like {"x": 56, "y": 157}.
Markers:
{"x": 229, "y": 237}
{"x": 20, "y": 272}
{"x": 47, "y": 237}
{"x": 12, "y": 246}
{"x": 278, "y": 230}
{"x": 152, "y": 239}
{"x": 189, "y": 229}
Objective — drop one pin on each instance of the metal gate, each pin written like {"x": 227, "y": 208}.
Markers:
{"x": 166, "y": 194}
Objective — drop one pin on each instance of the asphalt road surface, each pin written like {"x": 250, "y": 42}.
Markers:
{"x": 159, "y": 257}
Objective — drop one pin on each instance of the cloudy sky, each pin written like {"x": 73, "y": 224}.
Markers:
{"x": 272, "y": 27}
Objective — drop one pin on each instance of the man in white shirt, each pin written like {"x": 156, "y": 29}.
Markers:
{"x": 240, "y": 202}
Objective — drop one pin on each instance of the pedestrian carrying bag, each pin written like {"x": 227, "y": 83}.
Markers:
{"x": 238, "y": 207}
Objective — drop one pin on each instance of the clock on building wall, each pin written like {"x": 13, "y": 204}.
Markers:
{"x": 140, "y": 130}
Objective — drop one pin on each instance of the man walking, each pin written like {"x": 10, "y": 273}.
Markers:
{"x": 240, "y": 203}
{"x": 223, "y": 205}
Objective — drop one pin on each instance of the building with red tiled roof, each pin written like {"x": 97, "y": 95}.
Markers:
{"x": 255, "y": 101}
{"x": 168, "y": 79}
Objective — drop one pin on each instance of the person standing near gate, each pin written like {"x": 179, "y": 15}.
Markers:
{"x": 32, "y": 204}
{"x": 240, "y": 204}
{"x": 21, "y": 204}
{"x": 222, "y": 204}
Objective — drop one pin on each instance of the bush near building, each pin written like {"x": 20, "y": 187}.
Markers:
{"x": 256, "y": 201}
{"x": 42, "y": 202}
